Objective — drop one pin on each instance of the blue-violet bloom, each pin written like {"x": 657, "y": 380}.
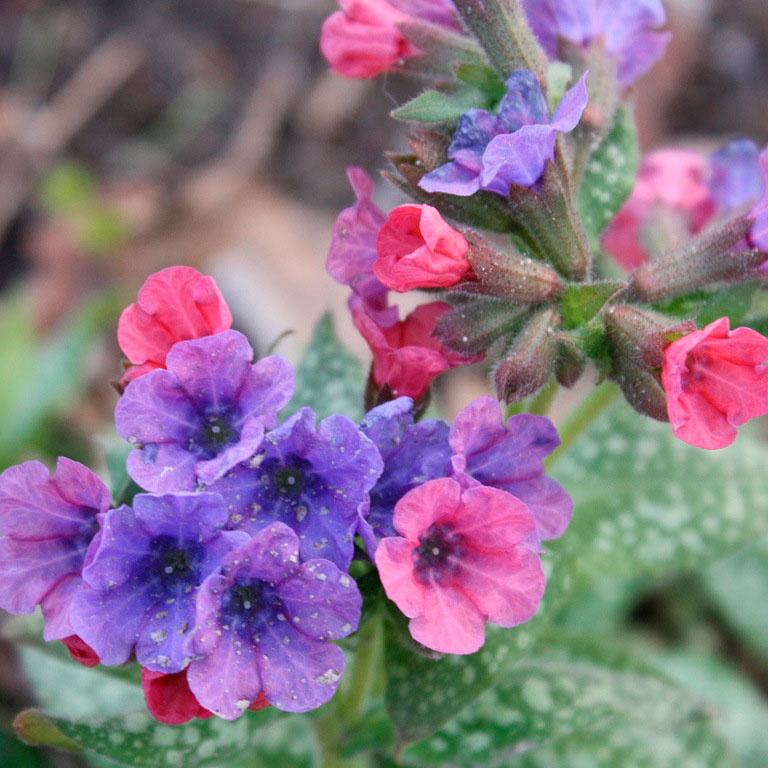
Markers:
{"x": 46, "y": 527}
{"x": 736, "y": 178}
{"x": 265, "y": 622}
{"x": 142, "y": 580}
{"x": 492, "y": 151}
{"x": 628, "y": 30}
{"x": 413, "y": 454}
{"x": 202, "y": 416}
{"x": 311, "y": 477}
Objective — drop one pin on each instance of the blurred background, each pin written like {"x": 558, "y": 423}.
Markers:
{"x": 136, "y": 134}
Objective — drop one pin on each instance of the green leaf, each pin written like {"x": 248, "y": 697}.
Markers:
{"x": 580, "y": 303}
{"x": 329, "y": 378}
{"x": 609, "y": 176}
{"x": 648, "y": 504}
{"x": 742, "y": 713}
{"x": 138, "y": 740}
{"x": 439, "y": 107}
{"x": 57, "y": 375}
{"x": 123, "y": 488}
{"x": 629, "y": 746}
{"x": 733, "y": 302}
{"x": 562, "y": 688}
{"x": 738, "y": 585}
{"x": 559, "y": 75}
{"x": 423, "y": 693}
{"x": 67, "y": 187}
{"x": 483, "y": 78}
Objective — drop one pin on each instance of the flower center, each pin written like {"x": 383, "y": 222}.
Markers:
{"x": 170, "y": 564}
{"x": 247, "y": 605}
{"x": 214, "y": 434}
{"x": 438, "y": 554}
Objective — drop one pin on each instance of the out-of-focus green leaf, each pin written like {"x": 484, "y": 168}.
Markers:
{"x": 559, "y": 74}
{"x": 741, "y": 711}
{"x": 739, "y": 587}
{"x": 14, "y": 754}
{"x": 609, "y": 176}
{"x": 67, "y": 187}
{"x": 648, "y": 504}
{"x": 329, "y": 378}
{"x": 57, "y": 373}
{"x": 568, "y": 687}
{"x": 139, "y": 741}
{"x": 733, "y": 302}
{"x": 120, "y": 484}
{"x": 629, "y": 746}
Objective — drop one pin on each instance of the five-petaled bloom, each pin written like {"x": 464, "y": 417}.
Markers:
{"x": 175, "y": 304}
{"x": 463, "y": 556}
{"x": 628, "y": 30}
{"x": 417, "y": 248}
{"x": 142, "y": 579}
{"x": 314, "y": 478}
{"x": 265, "y": 623}
{"x": 407, "y": 356}
{"x": 46, "y": 527}
{"x": 716, "y": 380}
{"x": 493, "y": 151}
{"x": 205, "y": 414}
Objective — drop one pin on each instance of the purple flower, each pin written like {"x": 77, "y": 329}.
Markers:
{"x": 264, "y": 623}
{"x": 440, "y": 12}
{"x": 46, "y": 526}
{"x": 511, "y": 459}
{"x": 142, "y": 579}
{"x": 491, "y": 152}
{"x": 353, "y": 251}
{"x": 759, "y": 233}
{"x": 736, "y": 176}
{"x": 413, "y": 454}
{"x": 311, "y": 478}
{"x": 628, "y": 30}
{"x": 202, "y": 416}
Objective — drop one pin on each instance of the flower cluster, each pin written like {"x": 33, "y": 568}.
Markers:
{"x": 498, "y": 220}
{"x": 228, "y": 580}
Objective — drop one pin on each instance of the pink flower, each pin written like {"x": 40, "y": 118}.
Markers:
{"x": 418, "y": 249}
{"x": 462, "y": 557}
{"x": 363, "y": 39}
{"x": 668, "y": 179}
{"x": 170, "y": 700}
{"x": 175, "y": 304}
{"x": 407, "y": 357}
{"x": 715, "y": 380}
{"x": 80, "y": 651}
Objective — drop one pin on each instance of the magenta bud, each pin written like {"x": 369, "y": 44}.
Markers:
{"x": 720, "y": 253}
{"x": 529, "y": 360}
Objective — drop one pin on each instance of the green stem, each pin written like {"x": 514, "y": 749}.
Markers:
{"x": 541, "y": 404}
{"x": 328, "y": 733}
{"x": 363, "y": 672}
{"x": 584, "y": 414}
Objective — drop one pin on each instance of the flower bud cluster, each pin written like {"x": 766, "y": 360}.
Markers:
{"x": 524, "y": 92}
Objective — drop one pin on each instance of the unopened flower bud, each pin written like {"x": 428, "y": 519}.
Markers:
{"x": 641, "y": 334}
{"x": 529, "y": 361}
{"x": 642, "y": 388}
{"x": 569, "y": 365}
{"x": 504, "y": 272}
{"x": 719, "y": 253}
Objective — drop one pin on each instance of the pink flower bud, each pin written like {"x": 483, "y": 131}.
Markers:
{"x": 363, "y": 39}
{"x": 175, "y": 304}
{"x": 407, "y": 356}
{"x": 715, "y": 380}
{"x": 418, "y": 249}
